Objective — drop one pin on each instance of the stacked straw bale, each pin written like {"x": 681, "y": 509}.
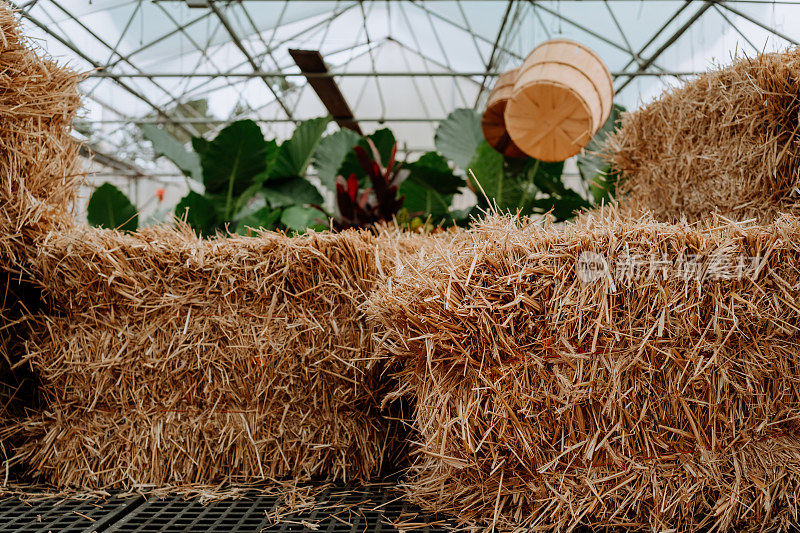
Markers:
{"x": 725, "y": 142}
{"x": 630, "y": 399}
{"x": 39, "y": 166}
{"x": 39, "y": 170}
{"x": 167, "y": 359}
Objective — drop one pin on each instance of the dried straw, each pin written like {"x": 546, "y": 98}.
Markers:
{"x": 639, "y": 401}
{"x": 165, "y": 358}
{"x": 725, "y": 142}
{"x": 39, "y": 167}
{"x": 38, "y": 174}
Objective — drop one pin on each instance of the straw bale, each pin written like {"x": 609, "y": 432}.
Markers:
{"x": 724, "y": 142}
{"x": 161, "y": 321}
{"x": 101, "y": 449}
{"x": 544, "y": 400}
{"x": 39, "y": 167}
{"x": 39, "y": 170}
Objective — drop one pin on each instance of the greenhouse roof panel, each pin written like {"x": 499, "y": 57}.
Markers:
{"x": 154, "y": 60}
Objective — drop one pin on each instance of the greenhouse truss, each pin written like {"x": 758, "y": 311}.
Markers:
{"x": 197, "y": 65}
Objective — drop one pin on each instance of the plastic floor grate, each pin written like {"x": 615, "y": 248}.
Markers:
{"x": 333, "y": 509}
{"x": 62, "y": 515}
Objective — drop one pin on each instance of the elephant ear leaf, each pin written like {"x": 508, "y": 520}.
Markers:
{"x": 331, "y": 152}
{"x": 295, "y": 153}
{"x": 290, "y": 191}
{"x": 232, "y": 161}
{"x": 264, "y": 218}
{"x": 503, "y": 190}
{"x": 110, "y": 208}
{"x": 459, "y": 135}
{"x": 199, "y": 213}
{"x": 430, "y": 186}
{"x": 233, "y": 158}
{"x": 168, "y": 146}
{"x": 299, "y": 218}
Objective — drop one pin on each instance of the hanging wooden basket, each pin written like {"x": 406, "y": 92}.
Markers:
{"x": 562, "y": 96}
{"x": 493, "y": 121}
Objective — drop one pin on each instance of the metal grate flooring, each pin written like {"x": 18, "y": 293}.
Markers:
{"x": 333, "y": 509}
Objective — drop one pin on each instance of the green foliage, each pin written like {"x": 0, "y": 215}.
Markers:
{"x": 300, "y": 218}
{"x": 295, "y": 153}
{"x": 595, "y": 170}
{"x": 290, "y": 191}
{"x": 330, "y": 154}
{"x": 519, "y": 185}
{"x": 264, "y": 218}
{"x": 505, "y": 192}
{"x": 524, "y": 185}
{"x": 110, "y": 208}
{"x": 199, "y": 212}
{"x": 168, "y": 146}
{"x": 250, "y": 182}
{"x": 458, "y": 136}
{"x": 429, "y": 187}
{"x": 232, "y": 161}
{"x": 384, "y": 142}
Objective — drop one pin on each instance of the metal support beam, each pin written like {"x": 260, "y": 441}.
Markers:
{"x": 227, "y": 25}
{"x": 736, "y": 29}
{"x": 129, "y": 169}
{"x": 581, "y": 27}
{"x": 490, "y": 63}
{"x": 103, "y": 42}
{"x": 353, "y": 74}
{"x": 636, "y": 57}
{"x": 462, "y": 28}
{"x": 95, "y": 64}
{"x": 227, "y": 120}
{"x": 758, "y": 23}
{"x": 311, "y": 62}
{"x": 661, "y": 49}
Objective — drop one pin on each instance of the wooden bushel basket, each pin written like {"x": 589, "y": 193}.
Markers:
{"x": 493, "y": 122}
{"x": 562, "y": 96}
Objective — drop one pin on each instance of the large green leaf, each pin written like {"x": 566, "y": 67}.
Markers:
{"x": 295, "y": 153}
{"x": 562, "y": 208}
{"x": 110, "y": 208}
{"x": 383, "y": 140}
{"x": 264, "y": 218}
{"x": 290, "y": 191}
{"x": 433, "y": 161}
{"x": 562, "y": 202}
{"x": 164, "y": 144}
{"x": 504, "y": 191}
{"x": 331, "y": 152}
{"x": 423, "y": 201}
{"x": 459, "y": 135}
{"x": 199, "y": 213}
{"x": 258, "y": 181}
{"x": 430, "y": 186}
{"x": 300, "y": 218}
{"x": 517, "y": 184}
{"x": 595, "y": 170}
{"x": 232, "y": 161}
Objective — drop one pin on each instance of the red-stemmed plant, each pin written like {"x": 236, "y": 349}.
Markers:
{"x": 363, "y": 208}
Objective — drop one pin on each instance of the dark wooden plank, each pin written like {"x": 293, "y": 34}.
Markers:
{"x": 311, "y": 62}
